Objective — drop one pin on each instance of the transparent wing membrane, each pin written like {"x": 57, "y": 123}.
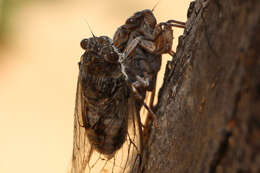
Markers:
{"x": 87, "y": 160}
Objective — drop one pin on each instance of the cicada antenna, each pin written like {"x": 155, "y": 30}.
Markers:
{"x": 90, "y": 29}
{"x": 155, "y": 5}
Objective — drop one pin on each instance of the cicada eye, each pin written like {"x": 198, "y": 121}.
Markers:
{"x": 84, "y": 44}
{"x": 130, "y": 21}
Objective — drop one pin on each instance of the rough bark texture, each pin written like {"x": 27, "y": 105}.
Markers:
{"x": 208, "y": 111}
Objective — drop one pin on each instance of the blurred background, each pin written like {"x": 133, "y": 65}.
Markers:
{"x": 39, "y": 51}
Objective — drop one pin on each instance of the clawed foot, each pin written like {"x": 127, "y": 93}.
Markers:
{"x": 143, "y": 83}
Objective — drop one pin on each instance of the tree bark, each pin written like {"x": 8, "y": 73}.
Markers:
{"x": 208, "y": 110}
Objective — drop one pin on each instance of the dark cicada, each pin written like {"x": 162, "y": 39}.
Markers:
{"x": 106, "y": 113}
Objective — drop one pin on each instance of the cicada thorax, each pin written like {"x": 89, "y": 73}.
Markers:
{"x": 144, "y": 65}
{"x": 137, "y": 40}
{"x": 105, "y": 94}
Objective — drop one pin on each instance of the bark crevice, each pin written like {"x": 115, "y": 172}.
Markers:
{"x": 208, "y": 109}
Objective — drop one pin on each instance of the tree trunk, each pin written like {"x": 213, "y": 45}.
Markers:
{"x": 208, "y": 111}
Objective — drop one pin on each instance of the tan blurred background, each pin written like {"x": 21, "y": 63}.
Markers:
{"x": 39, "y": 51}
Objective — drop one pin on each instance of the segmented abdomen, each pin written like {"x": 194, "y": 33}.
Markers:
{"x": 106, "y": 119}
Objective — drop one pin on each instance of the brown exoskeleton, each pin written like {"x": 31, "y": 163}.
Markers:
{"x": 114, "y": 77}
{"x": 142, "y": 29}
{"x": 143, "y": 41}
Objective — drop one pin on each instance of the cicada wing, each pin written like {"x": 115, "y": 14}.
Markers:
{"x": 82, "y": 150}
{"x": 128, "y": 158}
{"x": 135, "y": 137}
{"x": 86, "y": 160}
{"x": 84, "y": 157}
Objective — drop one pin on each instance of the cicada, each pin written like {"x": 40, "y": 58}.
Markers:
{"x": 114, "y": 77}
{"x": 105, "y": 112}
{"x": 143, "y": 42}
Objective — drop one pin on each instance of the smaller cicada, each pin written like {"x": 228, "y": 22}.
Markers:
{"x": 143, "y": 41}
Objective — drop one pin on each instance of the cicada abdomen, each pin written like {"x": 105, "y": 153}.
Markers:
{"x": 106, "y": 130}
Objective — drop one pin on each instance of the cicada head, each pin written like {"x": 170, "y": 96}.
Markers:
{"x": 144, "y": 17}
{"x": 149, "y": 18}
{"x": 99, "y": 56}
